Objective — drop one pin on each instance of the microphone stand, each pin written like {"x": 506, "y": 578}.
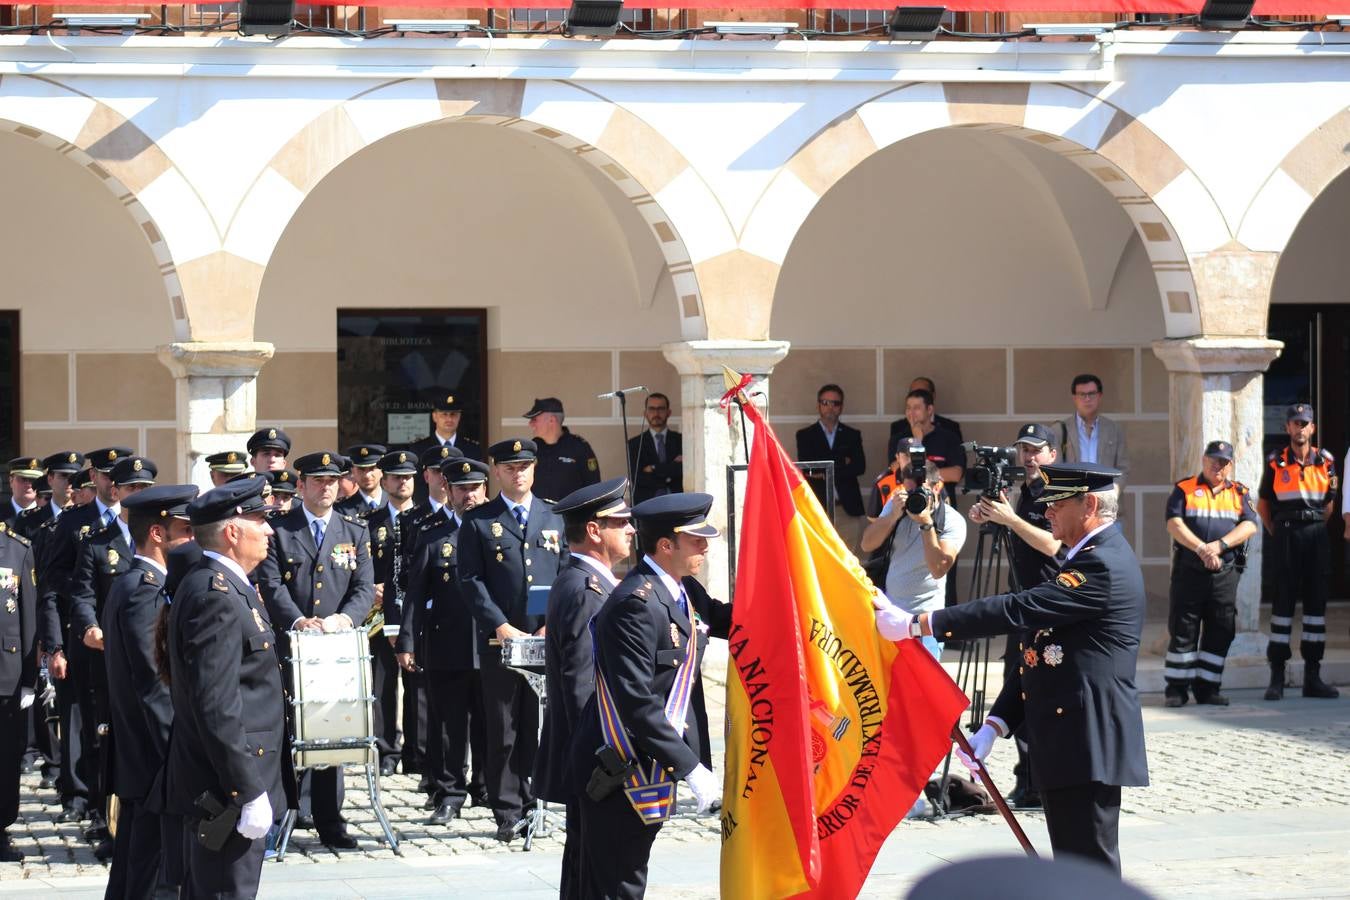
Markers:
{"x": 630, "y": 462}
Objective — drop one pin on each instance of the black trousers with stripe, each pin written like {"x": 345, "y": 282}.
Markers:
{"x": 1201, "y": 622}
{"x": 1304, "y": 573}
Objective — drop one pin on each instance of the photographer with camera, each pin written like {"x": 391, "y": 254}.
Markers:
{"x": 925, "y": 534}
{"x": 1032, "y": 549}
{"x": 1210, "y": 519}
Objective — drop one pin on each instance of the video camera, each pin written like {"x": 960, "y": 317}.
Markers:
{"x": 994, "y": 470}
{"x": 917, "y": 471}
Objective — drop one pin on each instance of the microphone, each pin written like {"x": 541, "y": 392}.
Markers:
{"x": 613, "y": 395}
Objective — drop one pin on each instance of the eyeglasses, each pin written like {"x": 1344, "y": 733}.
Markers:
{"x": 1086, "y": 394}
{"x": 830, "y": 402}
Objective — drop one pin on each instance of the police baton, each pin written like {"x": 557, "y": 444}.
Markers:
{"x": 960, "y": 738}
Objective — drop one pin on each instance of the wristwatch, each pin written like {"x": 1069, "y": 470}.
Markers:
{"x": 928, "y": 527}
{"x": 1223, "y": 544}
{"x": 916, "y": 628}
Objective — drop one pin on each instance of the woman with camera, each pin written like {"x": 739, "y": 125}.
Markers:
{"x": 924, "y": 533}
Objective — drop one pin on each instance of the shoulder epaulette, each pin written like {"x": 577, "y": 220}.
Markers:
{"x": 348, "y": 518}
{"x": 218, "y": 583}
{"x": 1327, "y": 455}
{"x": 1241, "y": 488}
{"x": 593, "y": 584}
{"x": 148, "y": 576}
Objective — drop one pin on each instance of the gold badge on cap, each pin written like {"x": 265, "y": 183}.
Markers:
{"x": 515, "y": 448}
{"x": 112, "y": 454}
{"x": 365, "y": 451}
{"x": 403, "y": 457}
{"x": 72, "y": 457}
{"x": 326, "y": 459}
{"x": 284, "y": 476}
{"x": 233, "y": 457}
{"x": 450, "y": 400}
{"x": 465, "y": 468}
{"x": 136, "y": 465}
{"x": 271, "y": 434}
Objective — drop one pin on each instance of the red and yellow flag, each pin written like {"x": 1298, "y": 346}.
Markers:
{"x": 832, "y": 730}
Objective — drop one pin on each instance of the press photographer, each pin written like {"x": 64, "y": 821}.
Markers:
{"x": 925, "y": 533}
{"x": 1032, "y": 550}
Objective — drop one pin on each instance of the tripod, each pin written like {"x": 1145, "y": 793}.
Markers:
{"x": 993, "y": 551}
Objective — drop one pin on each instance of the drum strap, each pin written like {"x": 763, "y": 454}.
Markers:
{"x": 651, "y": 789}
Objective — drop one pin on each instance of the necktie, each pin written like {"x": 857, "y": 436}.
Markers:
{"x": 318, "y": 533}
{"x": 520, "y": 516}
{"x": 660, "y": 440}
{"x": 108, "y": 517}
{"x": 684, "y": 603}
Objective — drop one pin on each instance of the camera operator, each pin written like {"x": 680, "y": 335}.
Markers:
{"x": 1033, "y": 550}
{"x": 925, "y": 533}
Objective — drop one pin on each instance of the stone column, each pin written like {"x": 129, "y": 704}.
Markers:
{"x": 215, "y": 386}
{"x": 1216, "y": 395}
{"x": 710, "y": 445}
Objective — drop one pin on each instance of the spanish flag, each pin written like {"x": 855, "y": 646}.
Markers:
{"x": 832, "y": 730}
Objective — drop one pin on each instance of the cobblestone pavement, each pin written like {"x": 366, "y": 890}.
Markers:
{"x": 1219, "y": 776}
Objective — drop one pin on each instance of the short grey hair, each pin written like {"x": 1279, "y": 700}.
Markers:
{"x": 1108, "y": 503}
{"x": 211, "y": 536}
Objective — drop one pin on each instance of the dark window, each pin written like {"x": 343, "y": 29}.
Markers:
{"x": 392, "y": 363}
{"x": 9, "y": 385}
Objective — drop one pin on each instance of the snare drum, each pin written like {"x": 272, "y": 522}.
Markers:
{"x": 330, "y": 687}
{"x": 523, "y": 652}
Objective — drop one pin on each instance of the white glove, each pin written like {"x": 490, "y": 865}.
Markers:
{"x": 707, "y": 789}
{"x": 255, "y": 818}
{"x": 336, "y": 622}
{"x": 981, "y": 742}
{"x": 48, "y": 693}
{"x": 893, "y": 623}
{"x": 26, "y": 696}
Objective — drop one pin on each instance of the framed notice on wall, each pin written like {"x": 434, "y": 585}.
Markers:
{"x": 392, "y": 363}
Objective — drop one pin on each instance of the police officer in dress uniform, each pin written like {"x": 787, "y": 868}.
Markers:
{"x": 654, "y": 625}
{"x": 1075, "y": 689}
{"x": 398, "y": 469}
{"x": 506, "y": 546}
{"x": 447, "y": 410}
{"x": 440, "y": 637}
{"x": 18, "y": 672}
{"x": 228, "y": 767}
{"x": 369, "y": 496}
{"x": 318, "y": 575}
{"x": 24, "y": 475}
{"x": 268, "y": 449}
{"x": 283, "y": 483}
{"x": 1209, "y": 518}
{"x": 1298, "y": 497}
{"x": 565, "y": 461}
{"x": 599, "y": 536}
{"x": 224, "y": 466}
{"x": 141, "y": 711}
{"x": 104, "y": 554}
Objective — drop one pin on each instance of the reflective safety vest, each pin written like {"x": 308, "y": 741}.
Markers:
{"x": 1294, "y": 488}
{"x": 1208, "y": 513}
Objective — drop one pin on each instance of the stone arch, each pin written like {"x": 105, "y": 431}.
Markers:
{"x": 633, "y": 156}
{"x": 93, "y": 135}
{"x": 1163, "y": 198}
{"x": 1289, "y": 191}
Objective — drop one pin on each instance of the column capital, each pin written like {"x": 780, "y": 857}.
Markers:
{"x": 1205, "y": 355}
{"x": 216, "y": 359}
{"x": 708, "y": 357}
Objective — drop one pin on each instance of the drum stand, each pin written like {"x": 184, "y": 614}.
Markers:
{"x": 539, "y": 820}
{"x": 372, "y": 769}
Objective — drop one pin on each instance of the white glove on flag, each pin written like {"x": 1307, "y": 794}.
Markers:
{"x": 981, "y": 742}
{"x": 255, "y": 818}
{"x": 705, "y": 786}
{"x": 26, "y": 696}
{"x": 892, "y": 621}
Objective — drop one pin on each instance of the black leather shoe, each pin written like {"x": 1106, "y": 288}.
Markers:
{"x": 388, "y": 765}
{"x": 1028, "y": 800}
{"x": 506, "y": 831}
{"x": 304, "y": 823}
{"x": 1210, "y": 698}
{"x": 430, "y": 804}
{"x": 75, "y": 812}
{"x": 103, "y": 849}
{"x": 479, "y": 797}
{"x": 445, "y": 811}
{"x": 424, "y": 785}
{"x": 1175, "y": 697}
{"x": 8, "y": 852}
{"x": 338, "y": 841}
{"x": 48, "y": 782}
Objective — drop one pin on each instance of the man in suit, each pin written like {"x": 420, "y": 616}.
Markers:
{"x": 386, "y": 524}
{"x": 439, "y": 637}
{"x": 369, "y": 496}
{"x": 228, "y": 750}
{"x": 1088, "y": 436}
{"x": 140, "y": 708}
{"x": 650, "y": 637}
{"x": 600, "y": 536}
{"x": 447, "y": 411}
{"x": 1075, "y": 691}
{"x": 506, "y": 546}
{"x": 656, "y": 456}
{"x": 18, "y": 672}
{"x": 104, "y": 553}
{"x": 828, "y": 438}
{"x": 317, "y": 575}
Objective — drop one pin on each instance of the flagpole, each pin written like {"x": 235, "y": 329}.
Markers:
{"x": 960, "y": 738}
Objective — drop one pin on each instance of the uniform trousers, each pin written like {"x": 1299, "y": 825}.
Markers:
{"x": 573, "y": 860}
{"x": 11, "y": 757}
{"x": 1305, "y": 574}
{"x": 416, "y": 722}
{"x": 1084, "y": 820}
{"x": 231, "y": 872}
{"x": 321, "y": 790}
{"x": 90, "y": 680}
{"x": 384, "y": 686}
{"x": 511, "y": 720}
{"x": 69, "y": 785}
{"x": 1200, "y": 621}
{"x": 137, "y": 869}
{"x": 456, "y": 697}
{"x": 1012, "y": 662}
{"x": 615, "y": 846}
